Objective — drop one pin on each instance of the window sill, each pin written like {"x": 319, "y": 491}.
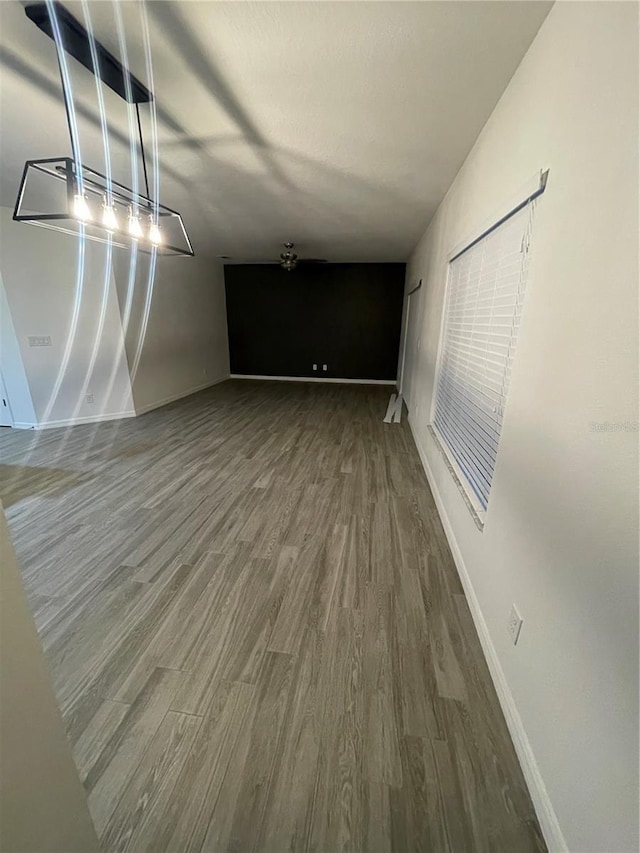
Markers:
{"x": 477, "y": 513}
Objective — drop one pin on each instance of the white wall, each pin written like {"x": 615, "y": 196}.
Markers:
{"x": 561, "y": 532}
{"x": 39, "y": 274}
{"x": 12, "y": 368}
{"x": 43, "y": 808}
{"x": 171, "y": 338}
{"x": 176, "y": 340}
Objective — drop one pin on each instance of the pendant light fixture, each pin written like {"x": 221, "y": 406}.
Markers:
{"x": 109, "y": 216}
{"x": 155, "y": 235}
{"x": 81, "y": 209}
{"x": 63, "y": 193}
{"x": 135, "y": 228}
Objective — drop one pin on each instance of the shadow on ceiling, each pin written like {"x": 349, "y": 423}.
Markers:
{"x": 229, "y": 202}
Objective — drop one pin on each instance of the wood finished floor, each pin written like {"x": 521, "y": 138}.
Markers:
{"x": 256, "y": 631}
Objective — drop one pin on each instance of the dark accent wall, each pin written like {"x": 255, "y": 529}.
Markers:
{"x": 344, "y": 315}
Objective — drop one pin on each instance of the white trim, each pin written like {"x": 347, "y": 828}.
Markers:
{"x": 397, "y": 412}
{"x": 549, "y": 823}
{"x": 114, "y": 416}
{"x": 478, "y": 512}
{"x": 157, "y": 404}
{"x": 88, "y": 419}
{"x": 313, "y": 379}
{"x": 403, "y": 358}
{"x": 390, "y": 409}
{"x": 7, "y": 401}
{"x": 443, "y": 311}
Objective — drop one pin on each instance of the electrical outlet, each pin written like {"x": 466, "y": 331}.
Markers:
{"x": 39, "y": 340}
{"x": 515, "y": 624}
{"x": 315, "y": 366}
{"x": 324, "y": 366}
{"x": 89, "y": 398}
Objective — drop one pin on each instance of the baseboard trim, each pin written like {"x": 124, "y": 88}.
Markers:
{"x": 547, "y": 817}
{"x": 87, "y": 419}
{"x": 157, "y": 404}
{"x": 313, "y": 379}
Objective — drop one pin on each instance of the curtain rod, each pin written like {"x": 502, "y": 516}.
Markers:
{"x": 538, "y": 192}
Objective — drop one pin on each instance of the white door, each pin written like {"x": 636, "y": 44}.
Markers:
{"x": 6, "y": 418}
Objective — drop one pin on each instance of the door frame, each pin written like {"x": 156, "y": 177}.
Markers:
{"x": 405, "y": 336}
{"x": 5, "y": 396}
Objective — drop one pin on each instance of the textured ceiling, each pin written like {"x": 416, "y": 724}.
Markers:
{"x": 337, "y": 125}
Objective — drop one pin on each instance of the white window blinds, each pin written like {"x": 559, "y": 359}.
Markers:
{"x": 485, "y": 293}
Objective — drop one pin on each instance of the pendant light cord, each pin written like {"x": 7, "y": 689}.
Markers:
{"x": 67, "y": 109}
{"x": 144, "y": 161}
{"x": 72, "y": 137}
{"x": 75, "y": 145}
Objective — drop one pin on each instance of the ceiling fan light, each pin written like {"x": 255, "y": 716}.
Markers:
{"x": 81, "y": 209}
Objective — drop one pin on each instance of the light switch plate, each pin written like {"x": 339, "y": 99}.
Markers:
{"x": 515, "y": 624}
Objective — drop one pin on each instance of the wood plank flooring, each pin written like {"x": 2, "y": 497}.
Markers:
{"x": 256, "y": 631}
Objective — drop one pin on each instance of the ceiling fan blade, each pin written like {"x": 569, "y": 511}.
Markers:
{"x": 313, "y": 261}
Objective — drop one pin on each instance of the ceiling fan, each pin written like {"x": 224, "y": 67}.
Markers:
{"x": 288, "y": 259}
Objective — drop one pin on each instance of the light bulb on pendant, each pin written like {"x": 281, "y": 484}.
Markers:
{"x": 135, "y": 229}
{"x": 155, "y": 235}
{"x": 81, "y": 209}
{"x": 109, "y": 218}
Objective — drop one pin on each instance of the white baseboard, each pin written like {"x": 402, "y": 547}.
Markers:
{"x": 114, "y": 416}
{"x": 87, "y": 419}
{"x": 547, "y": 817}
{"x": 157, "y": 404}
{"x": 313, "y": 379}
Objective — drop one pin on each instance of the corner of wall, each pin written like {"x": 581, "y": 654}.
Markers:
{"x": 14, "y": 374}
{"x": 157, "y": 404}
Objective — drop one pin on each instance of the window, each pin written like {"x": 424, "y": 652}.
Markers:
{"x": 485, "y": 293}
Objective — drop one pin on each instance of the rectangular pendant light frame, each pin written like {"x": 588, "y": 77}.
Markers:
{"x": 95, "y": 188}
